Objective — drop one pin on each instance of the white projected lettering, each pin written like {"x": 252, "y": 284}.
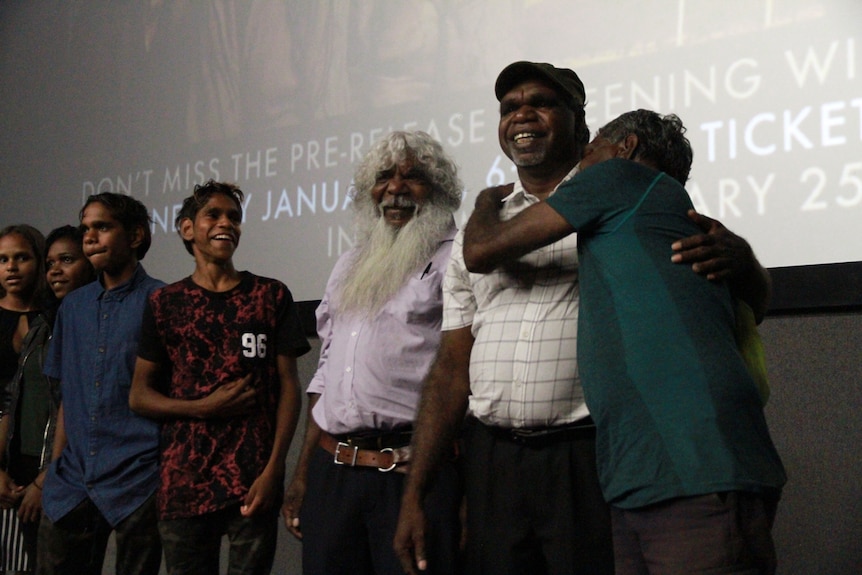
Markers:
{"x": 338, "y": 241}
{"x": 766, "y": 133}
{"x": 815, "y": 64}
{"x": 133, "y": 184}
{"x": 848, "y": 193}
{"x": 328, "y": 196}
{"x": 255, "y": 165}
{"x": 769, "y": 91}
{"x": 733, "y": 196}
{"x": 738, "y": 81}
{"x": 181, "y": 178}
{"x": 459, "y": 128}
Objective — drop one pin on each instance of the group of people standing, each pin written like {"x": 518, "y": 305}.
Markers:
{"x": 507, "y": 399}
{"x": 35, "y": 275}
{"x": 503, "y": 399}
{"x": 159, "y": 413}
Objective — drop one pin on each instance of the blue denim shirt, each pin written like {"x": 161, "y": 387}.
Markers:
{"x": 111, "y": 455}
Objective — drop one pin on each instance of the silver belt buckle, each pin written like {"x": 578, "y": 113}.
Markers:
{"x": 338, "y": 447}
{"x": 391, "y": 467}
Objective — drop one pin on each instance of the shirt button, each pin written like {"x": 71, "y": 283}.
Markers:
{"x": 98, "y": 383}
{"x": 348, "y": 369}
{"x": 353, "y": 334}
{"x": 101, "y": 350}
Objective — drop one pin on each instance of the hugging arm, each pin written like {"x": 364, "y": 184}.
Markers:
{"x": 489, "y": 241}
{"x": 719, "y": 254}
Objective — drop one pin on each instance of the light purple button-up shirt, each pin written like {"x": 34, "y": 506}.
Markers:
{"x": 371, "y": 370}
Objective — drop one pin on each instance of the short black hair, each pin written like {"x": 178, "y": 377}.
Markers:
{"x": 131, "y": 214}
{"x": 199, "y": 198}
{"x": 74, "y": 233}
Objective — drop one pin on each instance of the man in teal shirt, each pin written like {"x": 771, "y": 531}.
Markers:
{"x": 684, "y": 454}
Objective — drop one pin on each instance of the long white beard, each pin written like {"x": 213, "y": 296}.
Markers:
{"x": 386, "y": 256}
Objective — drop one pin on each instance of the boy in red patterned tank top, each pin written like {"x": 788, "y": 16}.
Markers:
{"x": 217, "y": 367}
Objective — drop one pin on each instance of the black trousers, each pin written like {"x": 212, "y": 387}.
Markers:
{"x": 349, "y": 515}
{"x": 534, "y": 507}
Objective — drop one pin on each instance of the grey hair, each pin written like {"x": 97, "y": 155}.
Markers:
{"x": 430, "y": 159}
{"x": 661, "y": 140}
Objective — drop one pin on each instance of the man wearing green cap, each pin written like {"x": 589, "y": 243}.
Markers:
{"x": 507, "y": 359}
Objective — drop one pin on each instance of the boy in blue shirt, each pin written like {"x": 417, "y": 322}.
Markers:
{"x": 105, "y": 470}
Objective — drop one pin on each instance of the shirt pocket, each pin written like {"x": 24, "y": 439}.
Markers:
{"x": 423, "y": 298}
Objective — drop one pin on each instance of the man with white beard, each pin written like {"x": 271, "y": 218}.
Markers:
{"x": 379, "y": 325}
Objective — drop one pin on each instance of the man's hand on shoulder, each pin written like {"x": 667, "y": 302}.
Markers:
{"x": 491, "y": 198}
{"x": 716, "y": 253}
{"x": 719, "y": 254}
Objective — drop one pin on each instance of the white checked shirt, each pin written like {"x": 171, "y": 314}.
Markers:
{"x": 523, "y": 366}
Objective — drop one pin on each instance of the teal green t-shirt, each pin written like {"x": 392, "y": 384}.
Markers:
{"x": 677, "y": 413}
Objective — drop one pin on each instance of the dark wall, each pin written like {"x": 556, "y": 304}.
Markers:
{"x": 815, "y": 369}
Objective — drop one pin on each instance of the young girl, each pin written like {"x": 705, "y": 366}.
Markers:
{"x": 22, "y": 283}
{"x": 28, "y": 403}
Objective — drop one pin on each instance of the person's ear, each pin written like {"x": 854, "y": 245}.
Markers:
{"x": 136, "y": 237}
{"x": 627, "y": 146}
{"x": 187, "y": 229}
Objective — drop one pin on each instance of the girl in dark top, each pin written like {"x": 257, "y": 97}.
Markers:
{"x": 28, "y": 400}
{"x": 22, "y": 285}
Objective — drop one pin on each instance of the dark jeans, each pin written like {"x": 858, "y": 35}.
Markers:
{"x": 534, "y": 507}
{"x": 716, "y": 534}
{"x": 193, "y": 544}
{"x": 76, "y": 544}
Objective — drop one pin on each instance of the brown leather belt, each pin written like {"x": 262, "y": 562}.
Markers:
{"x": 385, "y": 459}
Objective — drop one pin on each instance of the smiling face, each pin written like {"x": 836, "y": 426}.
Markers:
{"x": 67, "y": 268}
{"x": 215, "y": 230}
{"x": 19, "y": 268}
{"x": 399, "y": 192}
{"x": 536, "y": 127}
